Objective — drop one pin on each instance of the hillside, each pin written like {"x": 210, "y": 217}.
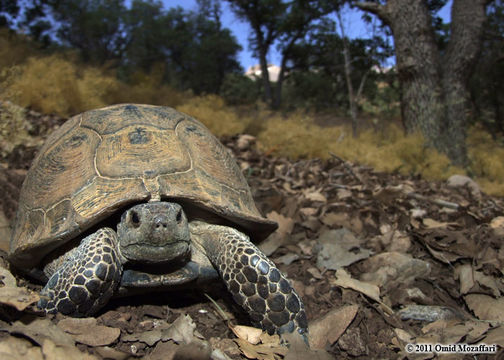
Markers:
{"x": 381, "y": 260}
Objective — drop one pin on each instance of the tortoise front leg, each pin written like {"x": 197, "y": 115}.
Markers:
{"x": 84, "y": 279}
{"x": 254, "y": 281}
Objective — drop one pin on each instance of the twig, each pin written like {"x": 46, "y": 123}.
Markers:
{"x": 439, "y": 202}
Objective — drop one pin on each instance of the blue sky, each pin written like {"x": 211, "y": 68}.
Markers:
{"x": 352, "y": 18}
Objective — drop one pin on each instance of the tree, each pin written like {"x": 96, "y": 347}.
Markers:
{"x": 298, "y": 21}
{"x": 434, "y": 84}
{"x": 486, "y": 85}
{"x": 265, "y": 17}
{"x": 94, "y": 27}
{"x": 8, "y": 9}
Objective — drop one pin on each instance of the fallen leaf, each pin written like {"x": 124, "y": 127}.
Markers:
{"x": 341, "y": 219}
{"x": 298, "y": 350}
{"x": 486, "y": 307}
{"x": 38, "y": 329}
{"x": 472, "y": 281}
{"x": 286, "y": 259}
{"x": 314, "y": 195}
{"x": 495, "y": 336}
{"x": 247, "y": 333}
{"x": 497, "y": 224}
{"x": 5, "y": 232}
{"x": 339, "y": 248}
{"x": 433, "y": 224}
{"x": 14, "y": 348}
{"x": 329, "y": 328}
{"x": 181, "y": 331}
{"x": 86, "y": 331}
{"x": 389, "y": 269}
{"x": 261, "y": 351}
{"x": 52, "y": 351}
{"x": 343, "y": 279}
{"x": 277, "y": 239}
{"x": 13, "y": 295}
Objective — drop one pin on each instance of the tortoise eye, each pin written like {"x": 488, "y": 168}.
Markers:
{"x": 135, "y": 219}
{"x": 179, "y": 216}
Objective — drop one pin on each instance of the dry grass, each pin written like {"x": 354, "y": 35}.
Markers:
{"x": 212, "y": 111}
{"x": 59, "y": 84}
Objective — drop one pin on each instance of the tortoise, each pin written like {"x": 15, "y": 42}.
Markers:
{"x": 134, "y": 197}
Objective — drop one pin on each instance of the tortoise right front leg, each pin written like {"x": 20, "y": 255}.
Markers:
{"x": 84, "y": 279}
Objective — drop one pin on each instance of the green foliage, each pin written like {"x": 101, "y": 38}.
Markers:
{"x": 238, "y": 89}
{"x": 93, "y": 26}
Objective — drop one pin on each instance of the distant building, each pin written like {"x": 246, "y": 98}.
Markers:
{"x": 254, "y": 72}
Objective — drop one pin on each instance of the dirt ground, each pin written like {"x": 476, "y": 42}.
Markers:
{"x": 380, "y": 261}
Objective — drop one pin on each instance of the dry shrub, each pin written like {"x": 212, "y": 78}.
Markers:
{"x": 147, "y": 88}
{"x": 388, "y": 150}
{"x": 14, "y": 128}
{"x": 487, "y": 164}
{"x": 296, "y": 136}
{"x": 212, "y": 111}
{"x": 14, "y": 48}
{"x": 56, "y": 85}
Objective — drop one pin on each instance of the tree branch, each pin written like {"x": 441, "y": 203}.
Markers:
{"x": 374, "y": 8}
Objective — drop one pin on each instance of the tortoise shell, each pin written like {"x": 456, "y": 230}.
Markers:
{"x": 103, "y": 160}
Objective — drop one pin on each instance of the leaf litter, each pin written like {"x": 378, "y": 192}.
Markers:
{"x": 380, "y": 260}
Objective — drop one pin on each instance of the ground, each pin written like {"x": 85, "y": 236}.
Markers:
{"x": 380, "y": 260}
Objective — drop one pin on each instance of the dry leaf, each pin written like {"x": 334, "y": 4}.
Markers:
{"x": 495, "y": 336}
{"x": 339, "y": 248}
{"x": 277, "y": 239}
{"x": 472, "y": 281}
{"x": 497, "y": 224}
{"x": 486, "y": 307}
{"x": 268, "y": 351}
{"x": 298, "y": 350}
{"x": 344, "y": 279}
{"x": 52, "y": 351}
{"x": 14, "y": 348}
{"x": 181, "y": 331}
{"x": 5, "y": 232}
{"x": 329, "y": 328}
{"x": 391, "y": 268}
{"x": 86, "y": 331}
{"x": 314, "y": 195}
{"x": 38, "y": 329}
{"x": 11, "y": 294}
{"x": 248, "y": 333}
{"x": 433, "y": 224}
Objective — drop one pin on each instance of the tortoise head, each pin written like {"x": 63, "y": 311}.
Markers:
{"x": 154, "y": 232}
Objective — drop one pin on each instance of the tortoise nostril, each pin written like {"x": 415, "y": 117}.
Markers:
{"x": 161, "y": 221}
{"x": 179, "y": 216}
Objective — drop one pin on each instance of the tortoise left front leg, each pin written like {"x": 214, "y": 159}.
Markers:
{"x": 254, "y": 281}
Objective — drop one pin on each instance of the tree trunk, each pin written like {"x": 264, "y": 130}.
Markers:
{"x": 277, "y": 100}
{"x": 434, "y": 92}
{"x": 468, "y": 17}
{"x": 348, "y": 76}
{"x": 265, "y": 76}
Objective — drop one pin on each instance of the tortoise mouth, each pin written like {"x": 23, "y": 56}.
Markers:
{"x": 156, "y": 254}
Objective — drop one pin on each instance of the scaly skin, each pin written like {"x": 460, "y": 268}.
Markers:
{"x": 85, "y": 278}
{"x": 254, "y": 281}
